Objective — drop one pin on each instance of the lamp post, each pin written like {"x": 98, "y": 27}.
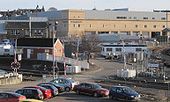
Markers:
{"x": 54, "y": 59}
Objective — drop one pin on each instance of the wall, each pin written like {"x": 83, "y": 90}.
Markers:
{"x": 11, "y": 80}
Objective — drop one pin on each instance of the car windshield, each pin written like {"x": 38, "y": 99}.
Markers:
{"x": 128, "y": 90}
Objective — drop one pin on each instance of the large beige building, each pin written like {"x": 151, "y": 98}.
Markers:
{"x": 79, "y": 22}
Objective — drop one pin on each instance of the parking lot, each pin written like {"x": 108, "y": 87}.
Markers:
{"x": 105, "y": 68}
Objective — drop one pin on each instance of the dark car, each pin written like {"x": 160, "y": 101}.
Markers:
{"x": 11, "y": 97}
{"x": 32, "y": 93}
{"x": 46, "y": 92}
{"x": 53, "y": 89}
{"x": 91, "y": 89}
{"x": 58, "y": 86}
{"x": 123, "y": 93}
{"x": 68, "y": 83}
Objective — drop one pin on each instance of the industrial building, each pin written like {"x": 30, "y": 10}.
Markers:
{"x": 79, "y": 22}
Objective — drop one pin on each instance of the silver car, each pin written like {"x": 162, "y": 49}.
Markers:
{"x": 68, "y": 83}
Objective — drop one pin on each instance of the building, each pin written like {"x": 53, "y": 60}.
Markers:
{"x": 33, "y": 27}
{"x": 40, "y": 48}
{"x": 132, "y": 50}
{"x": 74, "y": 23}
{"x": 78, "y": 22}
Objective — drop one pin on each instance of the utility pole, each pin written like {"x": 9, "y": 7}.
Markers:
{"x": 53, "y": 52}
{"x": 30, "y": 26}
{"x": 124, "y": 56}
{"x": 77, "y": 48}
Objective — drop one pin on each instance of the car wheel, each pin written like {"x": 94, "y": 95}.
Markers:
{"x": 67, "y": 89}
{"x": 110, "y": 97}
{"x": 95, "y": 94}
{"x": 56, "y": 93}
{"x": 78, "y": 92}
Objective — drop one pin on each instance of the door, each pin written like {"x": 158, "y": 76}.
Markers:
{"x": 119, "y": 93}
{"x": 88, "y": 89}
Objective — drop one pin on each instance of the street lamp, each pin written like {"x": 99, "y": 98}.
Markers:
{"x": 54, "y": 60}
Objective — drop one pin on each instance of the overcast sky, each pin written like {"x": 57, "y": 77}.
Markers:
{"x": 133, "y": 5}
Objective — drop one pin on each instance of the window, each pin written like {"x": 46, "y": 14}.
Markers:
{"x": 121, "y": 17}
{"x": 113, "y": 89}
{"x": 134, "y": 17}
{"x": 88, "y": 86}
{"x": 103, "y": 25}
{"x": 78, "y": 25}
{"x": 64, "y": 25}
{"x": 119, "y": 90}
{"x": 163, "y": 26}
{"x": 130, "y": 17}
{"x": 74, "y": 25}
{"x": 136, "y": 26}
{"x": 154, "y": 26}
{"x": 108, "y": 49}
{"x": 145, "y": 17}
{"x": 163, "y": 18}
{"x": 102, "y": 49}
{"x": 119, "y": 49}
{"x": 47, "y": 51}
{"x": 3, "y": 95}
{"x": 145, "y": 26}
{"x": 153, "y": 17}
{"x": 90, "y": 25}
{"x": 138, "y": 49}
{"x": 6, "y": 50}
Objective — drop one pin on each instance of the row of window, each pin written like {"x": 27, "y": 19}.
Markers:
{"x": 120, "y": 49}
{"x": 145, "y": 18}
{"x": 136, "y": 26}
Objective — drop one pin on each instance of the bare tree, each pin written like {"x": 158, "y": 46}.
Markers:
{"x": 90, "y": 43}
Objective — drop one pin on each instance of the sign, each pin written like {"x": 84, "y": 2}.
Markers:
{"x": 44, "y": 76}
{"x": 19, "y": 57}
{"x": 15, "y": 65}
{"x": 153, "y": 65}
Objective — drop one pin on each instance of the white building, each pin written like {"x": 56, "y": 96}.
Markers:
{"x": 116, "y": 49}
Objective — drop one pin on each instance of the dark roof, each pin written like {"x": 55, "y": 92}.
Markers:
{"x": 125, "y": 45}
{"x": 35, "y": 42}
{"x": 166, "y": 30}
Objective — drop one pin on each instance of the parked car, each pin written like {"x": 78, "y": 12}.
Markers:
{"x": 11, "y": 97}
{"x": 123, "y": 93}
{"x": 2, "y": 72}
{"x": 68, "y": 83}
{"x": 47, "y": 93}
{"x": 30, "y": 100}
{"x": 53, "y": 89}
{"x": 60, "y": 87}
{"x": 32, "y": 93}
{"x": 91, "y": 89}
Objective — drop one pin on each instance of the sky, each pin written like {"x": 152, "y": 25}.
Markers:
{"x": 133, "y": 5}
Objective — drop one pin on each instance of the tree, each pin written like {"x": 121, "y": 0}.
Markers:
{"x": 90, "y": 43}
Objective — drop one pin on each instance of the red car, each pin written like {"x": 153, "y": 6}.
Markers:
{"x": 91, "y": 89}
{"x": 11, "y": 97}
{"x": 46, "y": 92}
